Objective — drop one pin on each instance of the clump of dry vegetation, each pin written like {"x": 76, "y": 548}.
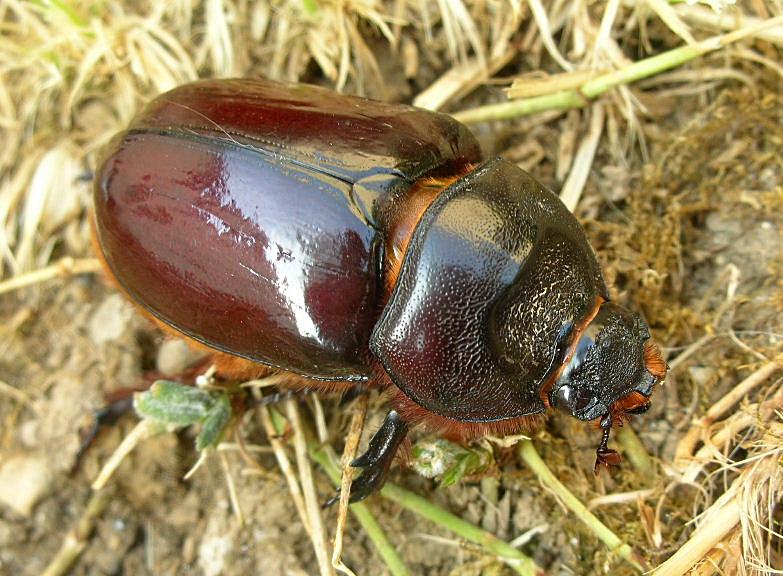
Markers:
{"x": 661, "y": 123}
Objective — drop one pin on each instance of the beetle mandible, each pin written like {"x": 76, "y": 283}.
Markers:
{"x": 344, "y": 240}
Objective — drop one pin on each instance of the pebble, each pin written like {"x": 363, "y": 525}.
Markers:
{"x": 702, "y": 376}
{"x": 174, "y": 357}
{"x": 24, "y": 481}
{"x": 215, "y": 546}
{"x": 110, "y": 321}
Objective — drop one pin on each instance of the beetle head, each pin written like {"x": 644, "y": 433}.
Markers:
{"x": 613, "y": 369}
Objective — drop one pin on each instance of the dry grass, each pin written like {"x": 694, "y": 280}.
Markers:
{"x": 653, "y": 158}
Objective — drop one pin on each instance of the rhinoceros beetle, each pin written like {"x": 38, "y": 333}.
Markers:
{"x": 348, "y": 241}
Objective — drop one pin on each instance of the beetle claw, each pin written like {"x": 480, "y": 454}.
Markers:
{"x": 364, "y": 460}
{"x": 333, "y": 500}
{"x": 377, "y": 460}
{"x": 371, "y": 480}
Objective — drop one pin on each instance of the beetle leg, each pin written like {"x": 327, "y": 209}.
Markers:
{"x": 280, "y": 396}
{"x": 604, "y": 454}
{"x": 106, "y": 416}
{"x": 639, "y": 409}
{"x": 377, "y": 459}
{"x": 353, "y": 393}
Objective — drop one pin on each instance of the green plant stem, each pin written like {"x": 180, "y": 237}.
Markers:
{"x": 563, "y": 100}
{"x": 647, "y": 67}
{"x": 566, "y": 99}
{"x": 635, "y": 451}
{"x": 518, "y": 561}
{"x": 528, "y": 453}
{"x": 367, "y": 521}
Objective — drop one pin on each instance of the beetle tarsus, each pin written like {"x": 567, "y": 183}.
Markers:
{"x": 377, "y": 460}
{"x": 605, "y": 456}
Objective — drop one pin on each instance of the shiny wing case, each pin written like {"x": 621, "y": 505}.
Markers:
{"x": 245, "y": 214}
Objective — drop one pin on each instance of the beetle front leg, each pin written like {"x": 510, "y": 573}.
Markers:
{"x": 604, "y": 455}
{"x": 377, "y": 460}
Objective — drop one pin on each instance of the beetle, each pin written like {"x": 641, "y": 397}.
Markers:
{"x": 348, "y": 241}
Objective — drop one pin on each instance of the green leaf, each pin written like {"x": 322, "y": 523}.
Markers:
{"x": 174, "y": 404}
{"x": 213, "y": 426}
{"x": 439, "y": 458}
{"x": 432, "y": 458}
{"x": 278, "y": 420}
{"x": 467, "y": 463}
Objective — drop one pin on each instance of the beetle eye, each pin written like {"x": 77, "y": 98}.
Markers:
{"x": 582, "y": 399}
{"x": 571, "y": 400}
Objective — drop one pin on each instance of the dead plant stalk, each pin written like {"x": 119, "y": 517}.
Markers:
{"x": 312, "y": 505}
{"x": 349, "y": 453}
{"x": 285, "y": 466}
{"x": 62, "y": 269}
{"x": 723, "y": 516}
{"x": 687, "y": 445}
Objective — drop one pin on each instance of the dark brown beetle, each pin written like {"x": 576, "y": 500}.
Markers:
{"x": 347, "y": 240}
